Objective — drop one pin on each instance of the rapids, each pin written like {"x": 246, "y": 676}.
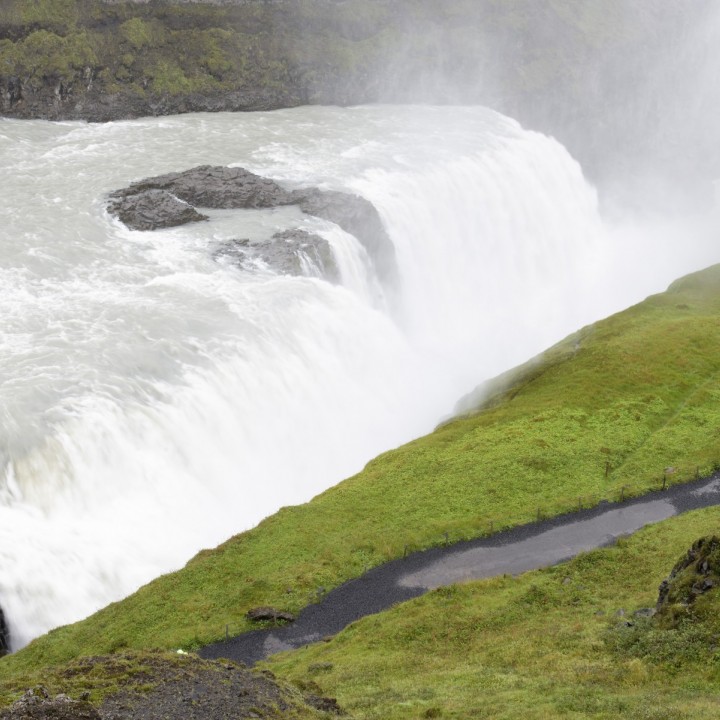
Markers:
{"x": 154, "y": 401}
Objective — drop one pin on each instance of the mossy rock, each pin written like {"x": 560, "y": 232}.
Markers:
{"x": 695, "y": 575}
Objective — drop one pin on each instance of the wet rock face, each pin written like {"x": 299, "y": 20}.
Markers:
{"x": 4, "y": 635}
{"x": 36, "y": 704}
{"x": 215, "y": 187}
{"x": 152, "y": 210}
{"x": 170, "y": 200}
{"x": 357, "y": 216}
{"x": 696, "y": 573}
{"x": 292, "y": 252}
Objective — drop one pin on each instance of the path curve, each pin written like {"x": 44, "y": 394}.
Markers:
{"x": 527, "y": 547}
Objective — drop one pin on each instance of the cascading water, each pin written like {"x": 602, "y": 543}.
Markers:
{"x": 156, "y": 400}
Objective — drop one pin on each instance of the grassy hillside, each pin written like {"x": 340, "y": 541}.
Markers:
{"x": 601, "y": 414}
{"x": 557, "y": 643}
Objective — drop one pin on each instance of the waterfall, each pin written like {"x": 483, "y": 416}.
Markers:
{"x": 155, "y": 401}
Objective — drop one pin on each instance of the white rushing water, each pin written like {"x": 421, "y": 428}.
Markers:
{"x": 154, "y": 401}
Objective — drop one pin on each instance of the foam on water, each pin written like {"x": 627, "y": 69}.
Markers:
{"x": 154, "y": 401}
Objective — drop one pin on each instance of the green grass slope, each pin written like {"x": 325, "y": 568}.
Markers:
{"x": 602, "y": 413}
{"x": 557, "y": 643}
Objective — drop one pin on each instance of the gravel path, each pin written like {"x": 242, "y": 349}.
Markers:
{"x": 527, "y": 547}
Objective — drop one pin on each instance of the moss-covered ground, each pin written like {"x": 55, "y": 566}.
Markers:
{"x": 611, "y": 410}
{"x": 154, "y": 685}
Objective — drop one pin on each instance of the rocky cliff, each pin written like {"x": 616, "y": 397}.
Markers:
{"x": 615, "y": 80}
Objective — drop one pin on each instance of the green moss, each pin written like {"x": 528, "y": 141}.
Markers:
{"x": 43, "y": 54}
{"x": 137, "y": 32}
{"x": 47, "y": 12}
{"x": 327, "y": 52}
{"x": 167, "y": 77}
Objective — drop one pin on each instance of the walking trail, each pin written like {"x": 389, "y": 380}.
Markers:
{"x": 514, "y": 551}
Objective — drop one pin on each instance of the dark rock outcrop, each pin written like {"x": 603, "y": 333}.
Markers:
{"x": 4, "y": 635}
{"x": 36, "y": 704}
{"x": 325, "y": 704}
{"x": 153, "y": 209}
{"x": 261, "y": 614}
{"x": 217, "y": 187}
{"x": 695, "y": 574}
{"x": 292, "y": 252}
{"x": 288, "y": 250}
{"x": 168, "y": 200}
{"x": 24, "y": 98}
{"x": 156, "y": 686}
{"x": 357, "y": 216}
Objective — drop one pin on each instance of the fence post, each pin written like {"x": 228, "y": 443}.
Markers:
{"x": 664, "y": 487}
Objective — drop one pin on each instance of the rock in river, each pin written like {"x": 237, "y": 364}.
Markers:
{"x": 153, "y": 209}
{"x": 291, "y": 252}
{"x": 215, "y": 187}
{"x": 170, "y": 200}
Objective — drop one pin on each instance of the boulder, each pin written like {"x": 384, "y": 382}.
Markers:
{"x": 4, "y": 635}
{"x": 696, "y": 573}
{"x": 357, "y": 216}
{"x": 169, "y": 200}
{"x": 289, "y": 252}
{"x": 153, "y": 209}
{"x": 292, "y": 252}
{"x": 260, "y": 614}
{"x": 325, "y": 704}
{"x": 36, "y": 704}
{"x": 217, "y": 187}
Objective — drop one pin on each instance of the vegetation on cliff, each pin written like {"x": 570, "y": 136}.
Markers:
{"x": 605, "y": 413}
{"x": 557, "y": 65}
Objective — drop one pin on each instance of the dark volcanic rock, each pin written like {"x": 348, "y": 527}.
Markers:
{"x": 292, "y": 252}
{"x": 85, "y": 99}
{"x": 4, "y": 635}
{"x": 216, "y": 187}
{"x": 156, "y": 686}
{"x": 153, "y": 209}
{"x": 36, "y": 704}
{"x": 289, "y": 251}
{"x": 356, "y": 216}
{"x": 695, "y": 574}
{"x": 325, "y": 704}
{"x": 156, "y": 202}
{"x": 260, "y": 614}
{"x": 194, "y": 689}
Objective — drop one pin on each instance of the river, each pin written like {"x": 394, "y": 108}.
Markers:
{"x": 155, "y": 400}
